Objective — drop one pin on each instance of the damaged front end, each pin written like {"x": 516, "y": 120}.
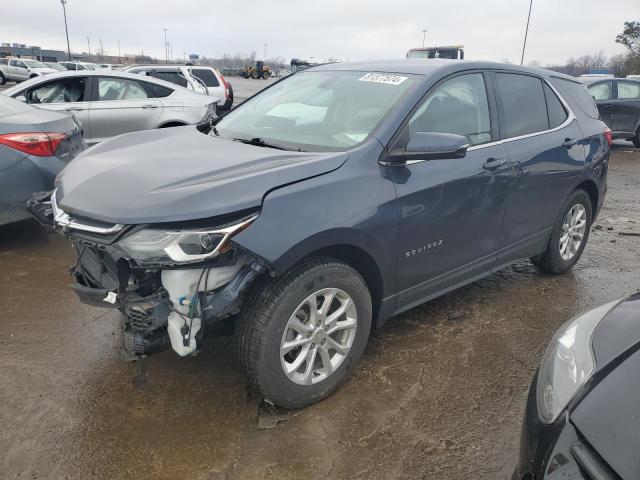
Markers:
{"x": 170, "y": 280}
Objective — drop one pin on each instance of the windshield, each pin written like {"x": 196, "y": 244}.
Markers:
{"x": 34, "y": 64}
{"x": 317, "y": 110}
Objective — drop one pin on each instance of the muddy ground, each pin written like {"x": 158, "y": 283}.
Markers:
{"x": 439, "y": 393}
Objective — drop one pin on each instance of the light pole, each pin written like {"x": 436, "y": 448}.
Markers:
{"x": 66, "y": 29}
{"x": 526, "y": 32}
{"x": 88, "y": 44}
{"x": 265, "y": 52}
{"x": 166, "y": 50}
{"x": 424, "y": 37}
{"x": 118, "y": 50}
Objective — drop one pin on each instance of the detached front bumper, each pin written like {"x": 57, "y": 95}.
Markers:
{"x": 556, "y": 451}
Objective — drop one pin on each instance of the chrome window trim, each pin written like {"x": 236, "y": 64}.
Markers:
{"x": 570, "y": 118}
{"x": 64, "y": 220}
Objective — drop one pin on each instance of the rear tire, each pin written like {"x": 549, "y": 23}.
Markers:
{"x": 573, "y": 224}
{"x": 636, "y": 140}
{"x": 280, "y": 313}
{"x": 3, "y": 80}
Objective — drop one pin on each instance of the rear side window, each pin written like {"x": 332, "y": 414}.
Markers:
{"x": 557, "y": 113}
{"x": 577, "y": 94}
{"x": 110, "y": 89}
{"x": 207, "y": 76}
{"x": 523, "y": 104}
{"x": 172, "y": 77}
{"x": 158, "y": 90}
{"x": 628, "y": 90}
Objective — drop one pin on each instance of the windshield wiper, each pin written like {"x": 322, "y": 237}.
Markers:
{"x": 259, "y": 142}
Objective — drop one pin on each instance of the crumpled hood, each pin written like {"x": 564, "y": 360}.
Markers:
{"x": 179, "y": 174}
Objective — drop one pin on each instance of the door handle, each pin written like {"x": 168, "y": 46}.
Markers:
{"x": 606, "y": 105}
{"x": 569, "y": 142}
{"x": 149, "y": 106}
{"x": 493, "y": 163}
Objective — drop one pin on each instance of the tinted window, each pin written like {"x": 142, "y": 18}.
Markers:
{"x": 523, "y": 104}
{"x": 120, "y": 89}
{"x": 458, "y": 106}
{"x": 173, "y": 77}
{"x": 628, "y": 90}
{"x": 158, "y": 90}
{"x": 601, "y": 91}
{"x": 207, "y": 76}
{"x": 63, "y": 90}
{"x": 557, "y": 113}
{"x": 577, "y": 94}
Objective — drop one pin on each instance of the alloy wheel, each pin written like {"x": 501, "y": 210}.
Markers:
{"x": 573, "y": 230}
{"x": 318, "y": 336}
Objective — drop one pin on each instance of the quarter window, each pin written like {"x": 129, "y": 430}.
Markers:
{"x": 172, "y": 77}
{"x": 120, "y": 89}
{"x": 458, "y": 106}
{"x": 601, "y": 91}
{"x": 523, "y": 104}
{"x": 557, "y": 113}
{"x": 64, "y": 90}
{"x": 628, "y": 90}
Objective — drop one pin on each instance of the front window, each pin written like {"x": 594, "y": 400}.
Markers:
{"x": 601, "y": 91}
{"x": 322, "y": 110}
{"x": 64, "y": 90}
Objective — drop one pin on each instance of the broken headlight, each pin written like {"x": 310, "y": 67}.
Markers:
{"x": 153, "y": 246}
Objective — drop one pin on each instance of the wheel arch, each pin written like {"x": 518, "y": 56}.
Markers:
{"x": 172, "y": 123}
{"x": 591, "y": 188}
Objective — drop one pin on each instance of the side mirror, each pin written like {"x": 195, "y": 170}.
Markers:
{"x": 21, "y": 98}
{"x": 431, "y": 146}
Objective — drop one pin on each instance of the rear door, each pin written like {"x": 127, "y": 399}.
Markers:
{"x": 121, "y": 105}
{"x": 602, "y": 93}
{"x": 626, "y": 114}
{"x": 545, "y": 146}
{"x": 70, "y": 94}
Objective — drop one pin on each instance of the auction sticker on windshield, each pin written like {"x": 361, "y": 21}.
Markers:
{"x": 382, "y": 78}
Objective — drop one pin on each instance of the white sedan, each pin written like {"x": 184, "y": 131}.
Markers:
{"x": 109, "y": 103}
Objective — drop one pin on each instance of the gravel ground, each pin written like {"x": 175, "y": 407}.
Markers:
{"x": 439, "y": 394}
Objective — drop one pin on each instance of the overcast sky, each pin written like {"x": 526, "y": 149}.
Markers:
{"x": 343, "y": 29}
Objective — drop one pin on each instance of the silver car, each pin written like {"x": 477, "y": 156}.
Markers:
{"x": 109, "y": 103}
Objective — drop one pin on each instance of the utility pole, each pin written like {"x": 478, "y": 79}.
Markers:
{"x": 101, "y": 49}
{"x": 526, "y": 32}
{"x": 265, "y": 52}
{"x": 424, "y": 37}
{"x": 119, "y": 50}
{"x": 166, "y": 50}
{"x": 66, "y": 28}
{"x": 88, "y": 45}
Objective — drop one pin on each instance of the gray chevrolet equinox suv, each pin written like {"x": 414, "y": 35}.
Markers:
{"x": 331, "y": 201}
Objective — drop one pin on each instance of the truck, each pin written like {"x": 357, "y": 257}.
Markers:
{"x": 454, "y": 52}
{"x": 21, "y": 69}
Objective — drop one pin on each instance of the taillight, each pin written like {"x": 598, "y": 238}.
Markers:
{"x": 33, "y": 143}
{"x": 226, "y": 85}
{"x": 608, "y": 135}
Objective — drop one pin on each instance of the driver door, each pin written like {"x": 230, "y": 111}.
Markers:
{"x": 18, "y": 70}
{"x": 450, "y": 209}
{"x": 69, "y": 94}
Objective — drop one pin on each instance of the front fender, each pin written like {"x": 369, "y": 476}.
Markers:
{"x": 354, "y": 206}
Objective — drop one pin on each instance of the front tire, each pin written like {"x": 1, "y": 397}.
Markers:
{"x": 302, "y": 334}
{"x": 569, "y": 236}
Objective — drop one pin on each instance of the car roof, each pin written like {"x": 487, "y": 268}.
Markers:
{"x": 96, "y": 73}
{"x": 429, "y": 67}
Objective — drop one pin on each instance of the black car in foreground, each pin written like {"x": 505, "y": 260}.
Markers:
{"x": 582, "y": 419}
{"x": 329, "y": 202}
{"x": 618, "y": 101}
